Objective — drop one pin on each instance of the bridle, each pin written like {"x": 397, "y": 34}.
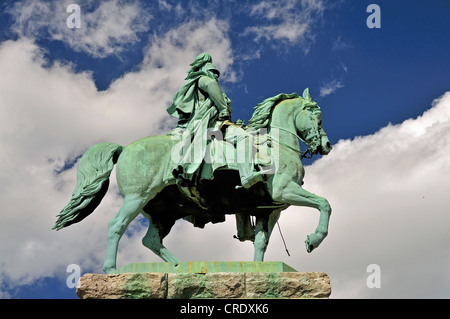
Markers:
{"x": 306, "y": 154}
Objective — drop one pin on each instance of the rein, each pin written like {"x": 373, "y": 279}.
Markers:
{"x": 305, "y": 154}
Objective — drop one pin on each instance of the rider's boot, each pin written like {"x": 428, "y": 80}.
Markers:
{"x": 249, "y": 176}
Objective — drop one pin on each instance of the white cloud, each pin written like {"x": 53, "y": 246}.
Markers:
{"x": 287, "y": 20}
{"x": 199, "y": 36}
{"x": 343, "y": 67}
{"x": 330, "y": 87}
{"x": 178, "y": 9}
{"x": 389, "y": 196}
{"x": 105, "y": 31}
{"x": 51, "y": 114}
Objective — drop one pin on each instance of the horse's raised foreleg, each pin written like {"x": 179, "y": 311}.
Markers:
{"x": 294, "y": 194}
{"x": 131, "y": 206}
{"x": 153, "y": 239}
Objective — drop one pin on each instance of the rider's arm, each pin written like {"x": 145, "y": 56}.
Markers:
{"x": 211, "y": 86}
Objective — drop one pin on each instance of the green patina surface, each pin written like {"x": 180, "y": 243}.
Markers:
{"x": 273, "y": 286}
{"x": 208, "y": 267}
{"x": 153, "y": 171}
{"x": 192, "y": 287}
{"x": 136, "y": 287}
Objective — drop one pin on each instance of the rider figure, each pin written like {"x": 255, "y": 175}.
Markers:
{"x": 201, "y": 104}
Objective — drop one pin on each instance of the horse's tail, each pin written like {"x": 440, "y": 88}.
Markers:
{"x": 93, "y": 171}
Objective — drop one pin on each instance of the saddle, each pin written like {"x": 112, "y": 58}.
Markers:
{"x": 226, "y": 151}
{"x": 213, "y": 193}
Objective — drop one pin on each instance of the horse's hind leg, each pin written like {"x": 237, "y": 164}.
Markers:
{"x": 153, "y": 239}
{"x": 263, "y": 229}
{"x": 131, "y": 206}
{"x": 261, "y": 237}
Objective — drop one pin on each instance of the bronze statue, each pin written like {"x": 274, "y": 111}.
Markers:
{"x": 188, "y": 173}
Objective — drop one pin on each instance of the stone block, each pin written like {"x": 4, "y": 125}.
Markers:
{"x": 281, "y": 285}
{"x": 122, "y": 286}
{"x": 287, "y": 285}
{"x": 206, "y": 285}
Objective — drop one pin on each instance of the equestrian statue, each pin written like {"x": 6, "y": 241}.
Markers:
{"x": 208, "y": 167}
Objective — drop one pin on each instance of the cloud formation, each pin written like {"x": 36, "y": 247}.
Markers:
{"x": 287, "y": 20}
{"x": 389, "y": 195}
{"x": 331, "y": 87}
{"x": 106, "y": 29}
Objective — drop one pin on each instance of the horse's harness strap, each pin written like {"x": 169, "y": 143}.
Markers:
{"x": 302, "y": 154}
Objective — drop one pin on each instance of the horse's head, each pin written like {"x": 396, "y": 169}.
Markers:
{"x": 308, "y": 123}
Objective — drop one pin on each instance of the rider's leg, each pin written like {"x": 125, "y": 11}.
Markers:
{"x": 245, "y": 151}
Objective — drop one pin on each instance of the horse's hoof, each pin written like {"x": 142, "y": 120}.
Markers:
{"x": 309, "y": 245}
{"x": 109, "y": 270}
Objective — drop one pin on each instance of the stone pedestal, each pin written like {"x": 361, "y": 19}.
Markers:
{"x": 205, "y": 280}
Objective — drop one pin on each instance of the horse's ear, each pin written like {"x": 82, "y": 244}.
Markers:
{"x": 306, "y": 95}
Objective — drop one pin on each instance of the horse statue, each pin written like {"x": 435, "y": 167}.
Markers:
{"x": 141, "y": 176}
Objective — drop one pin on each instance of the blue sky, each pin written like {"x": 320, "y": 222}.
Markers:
{"x": 111, "y": 80}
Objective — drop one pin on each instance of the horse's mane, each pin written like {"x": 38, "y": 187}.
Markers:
{"x": 263, "y": 110}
